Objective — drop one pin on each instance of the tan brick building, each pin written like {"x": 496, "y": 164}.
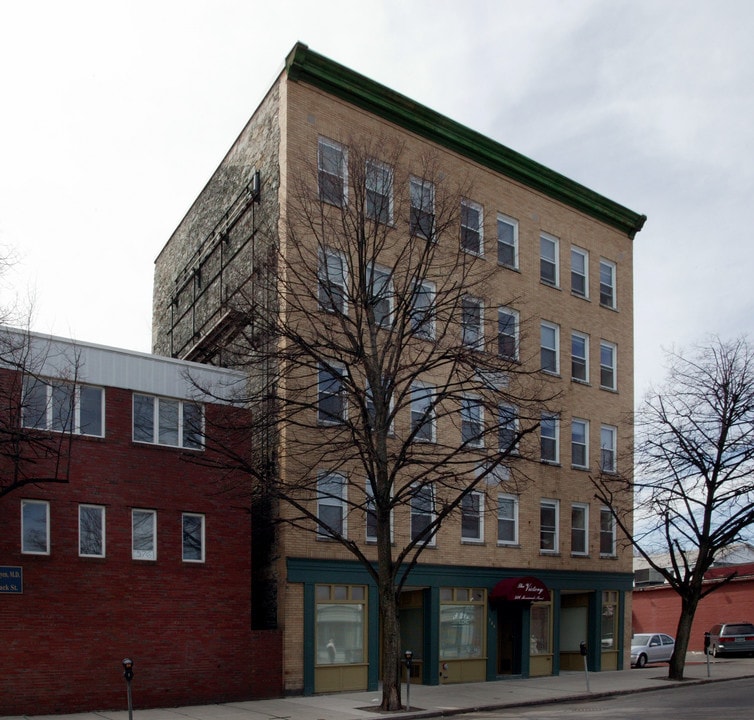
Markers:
{"x": 521, "y": 574}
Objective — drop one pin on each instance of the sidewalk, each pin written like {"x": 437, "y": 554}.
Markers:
{"x": 442, "y": 700}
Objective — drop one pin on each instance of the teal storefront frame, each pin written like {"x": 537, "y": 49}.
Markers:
{"x": 432, "y": 577}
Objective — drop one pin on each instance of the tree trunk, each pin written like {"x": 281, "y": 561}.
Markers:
{"x": 391, "y": 648}
{"x": 682, "y": 636}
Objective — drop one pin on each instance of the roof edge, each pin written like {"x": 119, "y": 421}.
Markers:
{"x": 304, "y": 65}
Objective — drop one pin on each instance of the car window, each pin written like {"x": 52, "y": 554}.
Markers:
{"x": 739, "y": 629}
{"x": 667, "y": 640}
{"x": 655, "y": 641}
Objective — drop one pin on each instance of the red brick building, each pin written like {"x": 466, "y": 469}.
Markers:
{"x": 657, "y": 608}
{"x": 137, "y": 555}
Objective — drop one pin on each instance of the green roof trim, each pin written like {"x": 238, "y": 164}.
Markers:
{"x": 305, "y": 65}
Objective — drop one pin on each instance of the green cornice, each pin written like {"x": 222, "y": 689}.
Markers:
{"x": 304, "y": 65}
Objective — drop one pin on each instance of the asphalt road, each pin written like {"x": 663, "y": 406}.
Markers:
{"x": 730, "y": 700}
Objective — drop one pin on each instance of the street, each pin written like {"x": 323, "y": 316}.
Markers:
{"x": 732, "y": 700}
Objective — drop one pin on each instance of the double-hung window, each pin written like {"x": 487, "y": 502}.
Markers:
{"x": 549, "y": 347}
{"x": 507, "y": 520}
{"x": 192, "y": 537}
{"x": 371, "y": 515}
{"x": 35, "y": 527}
{"x": 164, "y": 421}
{"x": 507, "y": 241}
{"x": 331, "y": 395}
{"x": 472, "y": 318}
{"x": 607, "y": 283}
{"x": 548, "y": 432}
{"x": 548, "y": 526}
{"x": 608, "y": 448}
{"x": 607, "y": 532}
{"x": 472, "y": 517}
{"x": 422, "y": 215}
{"x": 379, "y": 191}
{"x": 608, "y": 355}
{"x": 423, "y": 412}
{"x": 331, "y": 506}
{"x": 381, "y": 294}
{"x": 422, "y": 511}
{"x": 63, "y": 407}
{"x": 507, "y": 429}
{"x": 472, "y": 233}
{"x": 580, "y": 357}
{"x": 422, "y": 310}
{"x": 144, "y": 534}
{"x": 579, "y": 272}
{"x": 331, "y": 281}
{"x": 579, "y": 443}
{"x": 91, "y": 531}
{"x": 332, "y": 164}
{"x": 472, "y": 421}
{"x": 579, "y": 529}
{"x": 548, "y": 260}
{"x": 507, "y": 333}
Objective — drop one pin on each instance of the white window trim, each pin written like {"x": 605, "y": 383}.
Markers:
{"x": 49, "y": 386}
{"x": 471, "y": 402}
{"x": 585, "y": 338}
{"x": 549, "y": 502}
{"x": 516, "y": 425}
{"x": 478, "y": 343}
{"x": 514, "y": 223}
{"x": 556, "y": 329}
{"x": 429, "y": 392}
{"x": 504, "y": 310}
{"x": 585, "y": 255}
{"x": 585, "y": 529}
{"x": 323, "y": 276}
{"x": 432, "y": 514}
{"x": 156, "y": 403}
{"x": 381, "y": 167}
{"x": 343, "y": 167}
{"x": 586, "y": 443}
{"x": 153, "y": 513}
{"x": 613, "y": 530}
{"x": 332, "y": 501}
{"x": 614, "y": 367}
{"x": 556, "y": 250}
{"x": 514, "y": 499}
{"x": 612, "y": 448}
{"x": 46, "y": 506}
{"x": 471, "y": 205}
{"x": 429, "y": 289}
{"x": 332, "y": 420}
{"x": 375, "y": 272}
{"x": 556, "y": 425}
{"x": 423, "y": 185}
{"x": 102, "y": 529}
{"x": 203, "y": 538}
{"x": 481, "y": 512}
{"x": 614, "y": 283}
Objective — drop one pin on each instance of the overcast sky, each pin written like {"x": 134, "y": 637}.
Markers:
{"x": 113, "y": 115}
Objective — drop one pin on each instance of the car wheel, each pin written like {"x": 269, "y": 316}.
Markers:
{"x": 641, "y": 661}
{"x": 715, "y": 652}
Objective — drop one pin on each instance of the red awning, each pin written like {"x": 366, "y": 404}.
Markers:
{"x": 520, "y": 588}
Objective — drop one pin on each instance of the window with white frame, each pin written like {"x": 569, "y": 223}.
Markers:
{"x": 331, "y": 395}
{"x": 608, "y": 355}
{"x": 472, "y": 233}
{"x": 423, "y": 411}
{"x": 548, "y": 526}
{"x": 165, "y": 421}
{"x": 579, "y": 443}
{"x": 507, "y": 429}
{"x": 607, "y": 283}
{"x": 423, "y": 310}
{"x": 548, "y": 260}
{"x": 549, "y": 347}
{"x": 607, "y": 532}
{"x": 63, "y": 407}
{"x": 144, "y": 534}
{"x": 379, "y": 191}
{"x": 91, "y": 531}
{"x": 579, "y": 272}
{"x": 608, "y": 448}
{"x": 381, "y": 294}
{"x": 549, "y": 431}
{"x": 371, "y": 515}
{"x": 422, "y": 511}
{"x": 422, "y": 216}
{"x": 579, "y": 357}
{"x": 472, "y": 318}
{"x": 507, "y": 241}
{"x": 35, "y": 527}
{"x": 192, "y": 537}
{"x": 332, "y": 165}
{"x": 472, "y": 421}
{"x": 472, "y": 517}
{"x": 507, "y": 333}
{"x": 507, "y": 520}
{"x": 579, "y": 529}
{"x": 331, "y": 505}
{"x": 331, "y": 281}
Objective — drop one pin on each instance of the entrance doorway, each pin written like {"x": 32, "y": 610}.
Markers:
{"x": 509, "y": 640}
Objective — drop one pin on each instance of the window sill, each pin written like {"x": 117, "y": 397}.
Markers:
{"x": 578, "y": 381}
{"x": 608, "y": 389}
{"x": 579, "y": 296}
{"x": 582, "y": 556}
{"x": 472, "y": 541}
{"x": 549, "y": 284}
{"x": 512, "y": 546}
{"x": 580, "y": 468}
{"x": 549, "y": 553}
{"x": 608, "y": 557}
{"x": 551, "y": 463}
{"x": 513, "y": 268}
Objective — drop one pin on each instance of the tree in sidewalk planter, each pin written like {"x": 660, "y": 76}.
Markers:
{"x": 693, "y": 479}
{"x": 387, "y": 407}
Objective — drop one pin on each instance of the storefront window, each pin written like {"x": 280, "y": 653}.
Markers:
{"x": 462, "y": 623}
{"x": 609, "y": 619}
{"x": 540, "y": 629}
{"x": 340, "y": 624}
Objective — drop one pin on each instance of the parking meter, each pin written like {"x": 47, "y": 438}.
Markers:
{"x": 408, "y": 657}
{"x": 706, "y": 643}
{"x": 582, "y": 648}
{"x": 128, "y": 673}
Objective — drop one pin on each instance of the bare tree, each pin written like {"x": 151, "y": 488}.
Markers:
{"x": 694, "y": 475}
{"x": 372, "y": 370}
